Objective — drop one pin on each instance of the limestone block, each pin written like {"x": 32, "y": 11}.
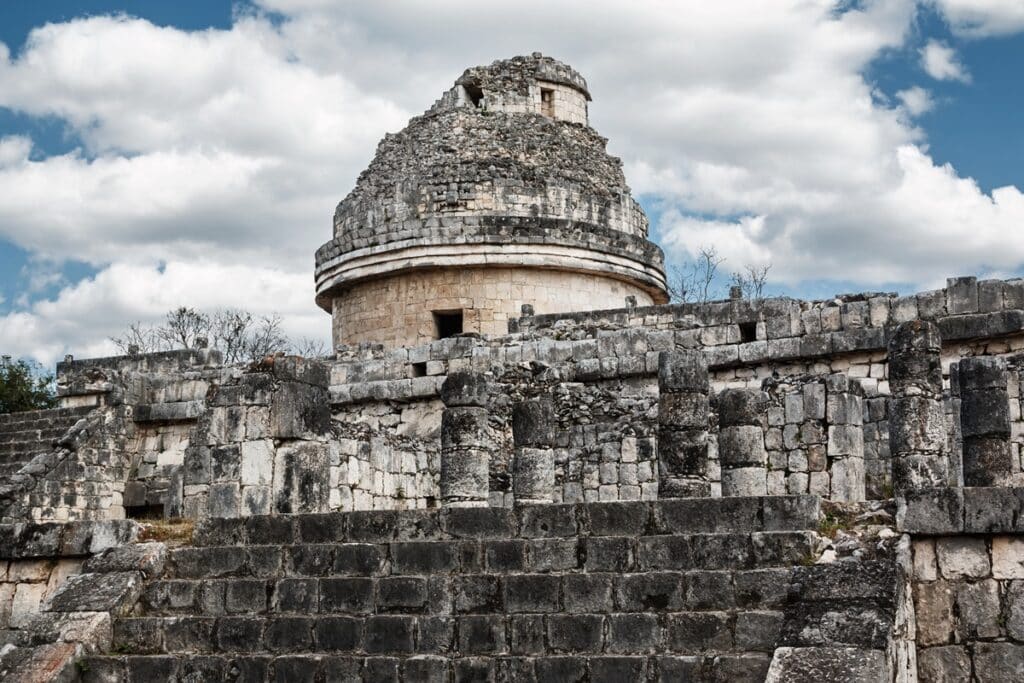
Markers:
{"x": 741, "y": 446}
{"x": 465, "y": 477}
{"x": 916, "y": 425}
{"x": 794, "y": 407}
{"x": 818, "y": 483}
{"x": 115, "y": 592}
{"x": 533, "y": 423}
{"x": 962, "y": 295}
{"x": 933, "y": 606}
{"x": 465, "y": 389}
{"x": 741, "y": 407}
{"x": 1007, "y": 557}
{"x": 298, "y": 410}
{"x": 224, "y": 499}
{"x": 977, "y": 610}
{"x": 682, "y": 371}
{"x": 744, "y": 481}
{"x": 465, "y": 427}
{"x": 985, "y": 412}
{"x": 257, "y": 464}
{"x": 988, "y": 461}
{"x": 828, "y": 664}
{"x": 683, "y": 409}
{"x": 682, "y": 453}
{"x": 962, "y": 557}
{"x": 946, "y": 664}
{"x": 915, "y": 472}
{"x": 847, "y": 479}
{"x": 257, "y": 422}
{"x": 846, "y": 440}
{"x": 925, "y": 562}
{"x": 256, "y": 500}
{"x": 25, "y": 605}
{"x": 301, "y": 477}
{"x": 1014, "y": 592}
{"x": 845, "y": 409}
{"x": 998, "y": 661}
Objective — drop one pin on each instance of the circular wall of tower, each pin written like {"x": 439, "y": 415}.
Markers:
{"x": 407, "y": 309}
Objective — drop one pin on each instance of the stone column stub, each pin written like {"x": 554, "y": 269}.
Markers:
{"x": 683, "y": 410}
{"x": 741, "y": 449}
{"x": 985, "y": 421}
{"x": 917, "y": 421}
{"x": 533, "y": 433}
{"x": 465, "y": 440}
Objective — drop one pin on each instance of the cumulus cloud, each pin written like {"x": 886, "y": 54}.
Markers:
{"x": 211, "y": 161}
{"x": 983, "y": 18}
{"x": 916, "y": 100}
{"x": 84, "y": 315}
{"x": 941, "y": 63}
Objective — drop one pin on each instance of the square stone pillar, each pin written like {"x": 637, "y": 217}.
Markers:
{"x": 985, "y": 421}
{"x": 741, "y": 449}
{"x": 683, "y": 425}
{"x": 533, "y": 466}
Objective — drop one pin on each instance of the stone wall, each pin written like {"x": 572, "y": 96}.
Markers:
{"x": 968, "y": 575}
{"x": 398, "y": 310}
{"x": 61, "y": 584}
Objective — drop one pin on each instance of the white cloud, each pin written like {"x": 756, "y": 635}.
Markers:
{"x": 83, "y": 316}
{"x": 941, "y": 63}
{"x": 916, "y": 100}
{"x": 223, "y": 153}
{"x": 983, "y": 18}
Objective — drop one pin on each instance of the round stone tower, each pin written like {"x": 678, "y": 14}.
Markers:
{"x": 500, "y": 195}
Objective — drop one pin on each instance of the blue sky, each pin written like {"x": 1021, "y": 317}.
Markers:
{"x": 154, "y": 154}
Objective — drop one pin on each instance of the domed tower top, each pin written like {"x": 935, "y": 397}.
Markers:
{"x": 534, "y": 84}
{"x": 499, "y": 195}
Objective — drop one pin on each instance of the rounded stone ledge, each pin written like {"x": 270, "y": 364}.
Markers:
{"x": 352, "y": 269}
{"x": 464, "y": 230}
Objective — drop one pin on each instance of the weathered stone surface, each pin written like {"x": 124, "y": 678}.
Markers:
{"x": 111, "y": 592}
{"x": 682, "y": 372}
{"x": 948, "y": 664}
{"x": 999, "y": 661}
{"x": 465, "y": 389}
{"x": 149, "y": 558}
{"x": 828, "y": 664}
{"x": 962, "y": 557}
{"x": 533, "y": 423}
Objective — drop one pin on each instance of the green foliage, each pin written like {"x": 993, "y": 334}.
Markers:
{"x": 23, "y": 386}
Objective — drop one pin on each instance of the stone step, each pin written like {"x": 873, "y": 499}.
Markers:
{"x": 426, "y": 668}
{"x": 470, "y": 593}
{"x": 603, "y": 553}
{"x": 670, "y": 516}
{"x": 635, "y": 633}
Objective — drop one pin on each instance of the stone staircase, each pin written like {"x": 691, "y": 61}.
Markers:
{"x": 25, "y": 435}
{"x": 669, "y": 590}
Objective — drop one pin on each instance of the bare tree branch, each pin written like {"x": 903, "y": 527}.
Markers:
{"x": 695, "y": 282}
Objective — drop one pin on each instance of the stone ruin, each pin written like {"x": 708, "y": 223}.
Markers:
{"x": 521, "y": 464}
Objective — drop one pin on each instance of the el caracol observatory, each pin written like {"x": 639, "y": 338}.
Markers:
{"x": 501, "y": 195}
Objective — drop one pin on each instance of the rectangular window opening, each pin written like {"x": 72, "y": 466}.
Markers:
{"x": 419, "y": 369}
{"x": 447, "y": 324}
{"x": 547, "y": 102}
{"x": 748, "y": 332}
{"x": 144, "y": 511}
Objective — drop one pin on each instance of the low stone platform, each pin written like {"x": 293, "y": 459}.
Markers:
{"x": 686, "y": 589}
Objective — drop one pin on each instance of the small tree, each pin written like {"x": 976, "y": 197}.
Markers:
{"x": 237, "y": 334}
{"x": 751, "y": 280}
{"x": 694, "y": 282}
{"x": 23, "y": 386}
